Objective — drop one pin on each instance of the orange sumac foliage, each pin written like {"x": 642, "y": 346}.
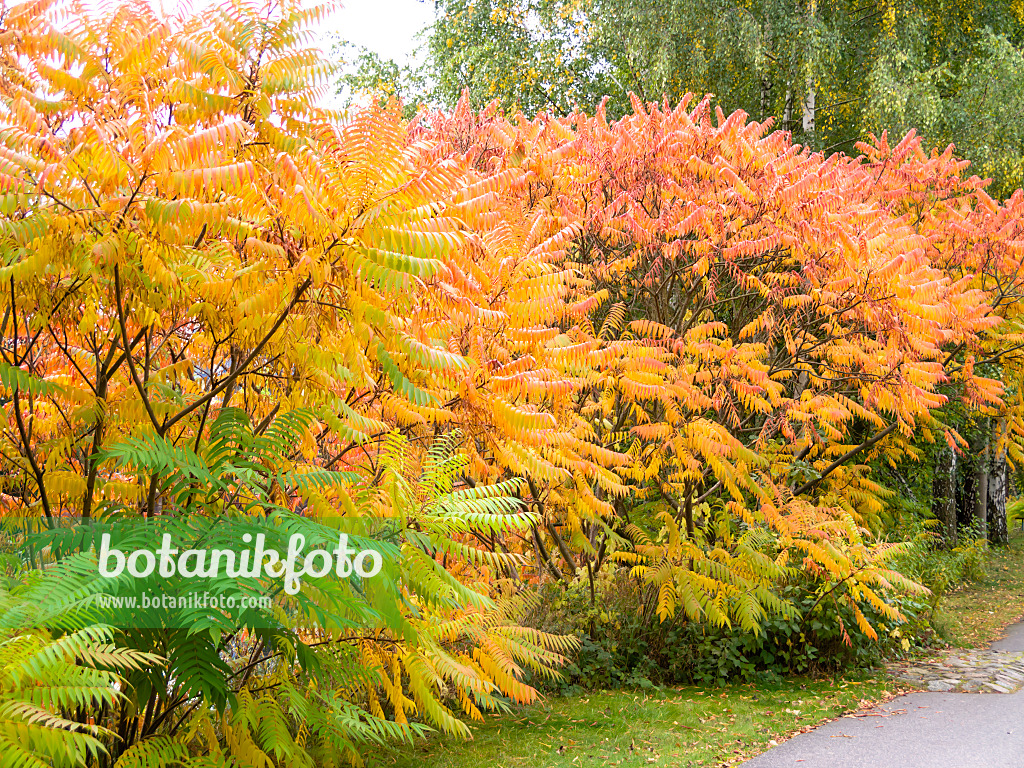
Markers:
{"x": 977, "y": 242}
{"x": 753, "y": 316}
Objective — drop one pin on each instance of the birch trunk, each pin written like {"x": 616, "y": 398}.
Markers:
{"x": 766, "y": 98}
{"x": 766, "y": 81}
{"x": 997, "y": 489}
{"x": 808, "y": 116}
{"x": 809, "y": 88}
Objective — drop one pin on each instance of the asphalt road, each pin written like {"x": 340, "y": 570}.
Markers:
{"x": 1014, "y": 640}
{"x": 920, "y": 730}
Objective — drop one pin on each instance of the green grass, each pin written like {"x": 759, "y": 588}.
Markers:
{"x": 976, "y": 614}
{"x": 687, "y": 726}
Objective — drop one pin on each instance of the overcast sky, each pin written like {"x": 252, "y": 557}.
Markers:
{"x": 386, "y": 27}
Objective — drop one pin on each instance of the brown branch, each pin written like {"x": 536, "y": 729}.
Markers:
{"x": 545, "y": 556}
{"x": 139, "y": 385}
{"x": 844, "y": 458}
{"x": 563, "y": 549}
{"x": 26, "y": 440}
{"x": 230, "y": 379}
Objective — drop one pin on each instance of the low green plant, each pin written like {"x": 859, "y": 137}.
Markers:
{"x": 974, "y": 614}
{"x": 622, "y": 642}
{"x": 939, "y": 568}
{"x": 1015, "y": 513}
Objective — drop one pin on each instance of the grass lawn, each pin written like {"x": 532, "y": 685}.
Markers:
{"x": 687, "y": 726}
{"x": 975, "y": 615}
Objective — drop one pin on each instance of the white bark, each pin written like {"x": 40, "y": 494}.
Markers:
{"x": 808, "y": 118}
{"x": 996, "y": 490}
{"x": 809, "y": 84}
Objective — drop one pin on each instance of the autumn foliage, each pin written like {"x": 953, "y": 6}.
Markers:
{"x": 680, "y": 311}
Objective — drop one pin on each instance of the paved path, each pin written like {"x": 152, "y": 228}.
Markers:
{"x": 920, "y": 730}
{"x": 1014, "y": 640}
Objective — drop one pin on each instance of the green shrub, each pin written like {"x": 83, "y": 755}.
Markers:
{"x": 1015, "y": 513}
{"x": 623, "y": 644}
{"x": 940, "y": 569}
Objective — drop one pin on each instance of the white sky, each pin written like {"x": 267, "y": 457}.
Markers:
{"x": 386, "y": 27}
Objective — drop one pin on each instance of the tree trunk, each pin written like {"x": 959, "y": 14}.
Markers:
{"x": 766, "y": 97}
{"x": 966, "y": 492}
{"x": 688, "y": 510}
{"x": 997, "y": 528}
{"x": 808, "y": 115}
{"x": 944, "y": 495}
{"x": 766, "y": 76}
{"x": 981, "y": 492}
{"x": 997, "y": 490}
{"x": 544, "y": 557}
{"x": 809, "y": 88}
{"x": 570, "y": 561}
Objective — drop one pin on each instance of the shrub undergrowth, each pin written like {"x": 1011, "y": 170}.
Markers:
{"x": 622, "y": 643}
